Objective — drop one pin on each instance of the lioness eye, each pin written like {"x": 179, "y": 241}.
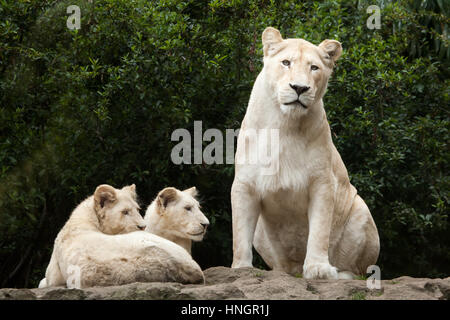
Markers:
{"x": 314, "y": 67}
{"x": 125, "y": 212}
{"x": 286, "y": 63}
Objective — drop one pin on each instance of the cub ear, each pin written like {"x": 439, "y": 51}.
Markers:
{"x": 132, "y": 190}
{"x": 333, "y": 48}
{"x": 103, "y": 195}
{"x": 270, "y": 38}
{"x": 191, "y": 191}
{"x": 166, "y": 196}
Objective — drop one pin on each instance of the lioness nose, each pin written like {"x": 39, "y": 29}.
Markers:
{"x": 299, "y": 89}
{"x": 141, "y": 227}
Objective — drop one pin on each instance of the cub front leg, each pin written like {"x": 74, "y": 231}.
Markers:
{"x": 320, "y": 215}
{"x": 245, "y": 212}
{"x": 53, "y": 275}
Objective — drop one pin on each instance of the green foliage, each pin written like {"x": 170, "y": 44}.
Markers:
{"x": 359, "y": 295}
{"x": 98, "y": 105}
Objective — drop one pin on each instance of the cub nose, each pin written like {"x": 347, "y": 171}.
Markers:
{"x": 141, "y": 227}
{"x": 299, "y": 89}
{"x": 205, "y": 225}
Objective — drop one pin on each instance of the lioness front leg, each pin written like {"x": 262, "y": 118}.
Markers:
{"x": 320, "y": 214}
{"x": 245, "y": 212}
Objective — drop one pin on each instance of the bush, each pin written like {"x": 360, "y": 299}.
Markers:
{"x": 99, "y": 104}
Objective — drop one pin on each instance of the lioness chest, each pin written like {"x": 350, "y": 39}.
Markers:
{"x": 285, "y": 217}
{"x": 294, "y": 165}
{"x": 285, "y": 195}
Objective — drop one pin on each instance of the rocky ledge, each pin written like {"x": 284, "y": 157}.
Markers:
{"x": 249, "y": 283}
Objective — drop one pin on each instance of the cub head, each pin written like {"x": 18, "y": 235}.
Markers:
{"x": 297, "y": 71}
{"x": 180, "y": 213}
{"x": 117, "y": 210}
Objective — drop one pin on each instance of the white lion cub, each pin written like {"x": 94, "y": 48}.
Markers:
{"x": 101, "y": 245}
{"x": 176, "y": 216}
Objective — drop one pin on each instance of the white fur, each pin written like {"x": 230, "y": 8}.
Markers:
{"x": 122, "y": 257}
{"x": 180, "y": 220}
{"x": 306, "y": 217}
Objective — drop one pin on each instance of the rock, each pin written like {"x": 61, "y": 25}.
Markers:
{"x": 60, "y": 293}
{"x": 260, "y": 284}
{"x": 136, "y": 291}
{"x": 248, "y": 283}
{"x": 17, "y": 294}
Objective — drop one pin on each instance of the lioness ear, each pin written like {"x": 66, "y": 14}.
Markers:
{"x": 191, "y": 191}
{"x": 333, "y": 48}
{"x": 166, "y": 196}
{"x": 103, "y": 195}
{"x": 270, "y": 38}
{"x": 132, "y": 190}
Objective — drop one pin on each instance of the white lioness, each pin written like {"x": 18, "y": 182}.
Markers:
{"x": 176, "y": 216}
{"x": 306, "y": 217}
{"x": 100, "y": 245}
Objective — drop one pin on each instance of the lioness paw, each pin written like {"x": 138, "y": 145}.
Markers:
{"x": 319, "y": 271}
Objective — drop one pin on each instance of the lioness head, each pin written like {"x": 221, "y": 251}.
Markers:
{"x": 296, "y": 70}
{"x": 180, "y": 214}
{"x": 117, "y": 209}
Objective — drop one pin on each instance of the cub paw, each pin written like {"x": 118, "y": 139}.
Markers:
{"x": 319, "y": 271}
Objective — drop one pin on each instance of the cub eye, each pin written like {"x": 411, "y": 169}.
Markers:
{"x": 314, "y": 67}
{"x": 188, "y": 208}
{"x": 125, "y": 212}
{"x": 286, "y": 63}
